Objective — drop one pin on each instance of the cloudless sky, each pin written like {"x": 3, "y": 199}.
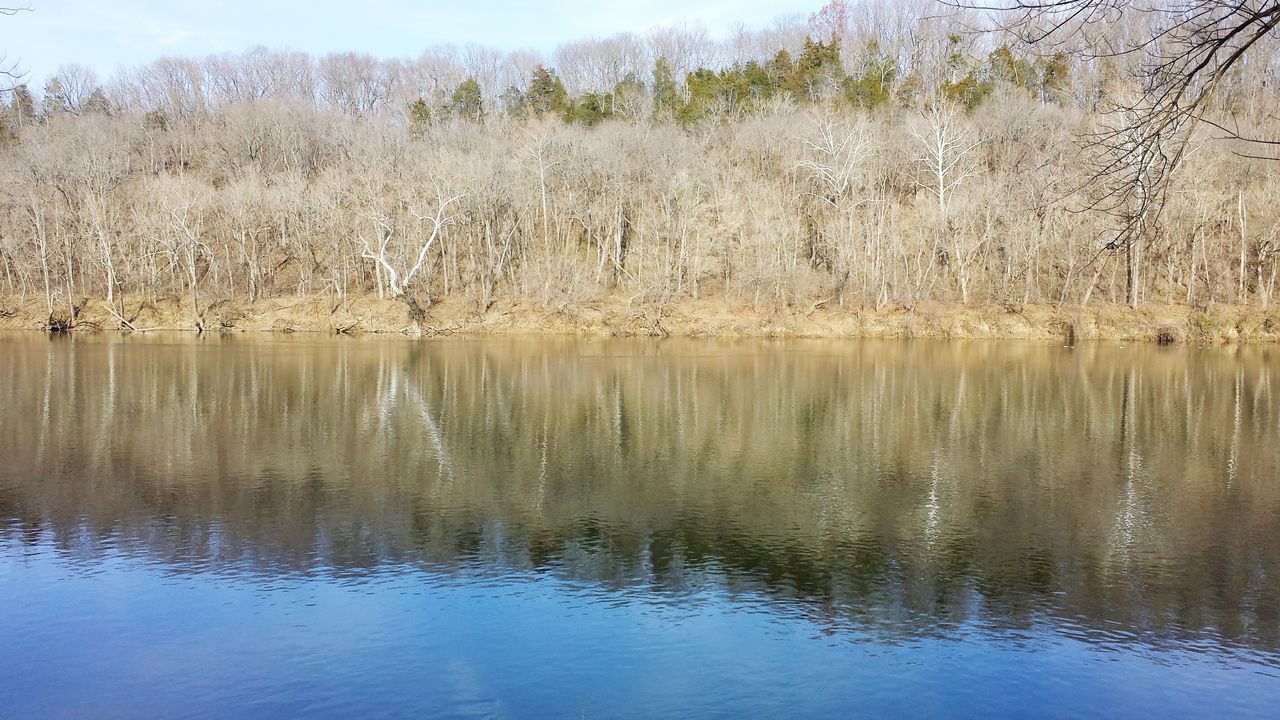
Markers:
{"x": 107, "y": 34}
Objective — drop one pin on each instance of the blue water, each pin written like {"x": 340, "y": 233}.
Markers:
{"x": 414, "y": 642}
{"x": 147, "y": 571}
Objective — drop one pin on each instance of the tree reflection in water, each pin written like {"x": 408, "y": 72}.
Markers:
{"x": 910, "y": 488}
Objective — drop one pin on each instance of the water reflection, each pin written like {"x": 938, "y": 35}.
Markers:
{"x": 906, "y": 489}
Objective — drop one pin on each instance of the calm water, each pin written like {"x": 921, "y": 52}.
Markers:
{"x": 559, "y": 528}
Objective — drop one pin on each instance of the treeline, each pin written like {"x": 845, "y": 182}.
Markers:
{"x": 869, "y": 155}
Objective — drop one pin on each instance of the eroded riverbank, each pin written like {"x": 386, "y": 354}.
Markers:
{"x": 620, "y": 317}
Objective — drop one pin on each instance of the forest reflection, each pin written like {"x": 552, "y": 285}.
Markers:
{"x": 909, "y": 487}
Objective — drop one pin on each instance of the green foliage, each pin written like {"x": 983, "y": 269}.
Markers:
{"x": 1054, "y": 75}
{"x": 782, "y": 66}
{"x": 1042, "y": 77}
{"x": 665, "y": 97}
{"x": 746, "y": 87}
{"x": 970, "y": 82}
{"x": 591, "y": 109}
{"x": 467, "y": 101}
{"x": 704, "y": 90}
{"x": 628, "y": 98}
{"x": 873, "y": 87}
{"x": 751, "y": 84}
{"x": 738, "y": 90}
{"x": 1010, "y": 69}
{"x": 815, "y": 75}
{"x": 867, "y": 91}
{"x": 817, "y": 71}
{"x": 546, "y": 94}
{"x": 514, "y": 103}
{"x": 969, "y": 91}
{"x": 420, "y": 119}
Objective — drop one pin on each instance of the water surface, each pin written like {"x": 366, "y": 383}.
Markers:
{"x": 256, "y": 527}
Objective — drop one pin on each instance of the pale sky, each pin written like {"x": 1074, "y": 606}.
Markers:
{"x": 107, "y": 34}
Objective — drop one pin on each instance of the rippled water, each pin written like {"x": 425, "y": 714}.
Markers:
{"x": 559, "y": 528}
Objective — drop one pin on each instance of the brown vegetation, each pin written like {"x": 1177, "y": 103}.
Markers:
{"x": 613, "y": 316}
{"x": 899, "y": 177}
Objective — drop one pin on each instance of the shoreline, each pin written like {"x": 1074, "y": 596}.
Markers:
{"x": 617, "y": 317}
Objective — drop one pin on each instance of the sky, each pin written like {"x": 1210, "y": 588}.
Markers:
{"x": 108, "y": 34}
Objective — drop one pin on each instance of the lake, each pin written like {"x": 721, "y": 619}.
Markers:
{"x": 272, "y": 527}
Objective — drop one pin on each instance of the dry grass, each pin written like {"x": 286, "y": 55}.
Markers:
{"x": 615, "y": 316}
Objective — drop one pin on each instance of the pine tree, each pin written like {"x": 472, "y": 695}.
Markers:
{"x": 419, "y": 119}
{"x": 53, "y": 101}
{"x": 467, "y": 100}
{"x": 97, "y": 103}
{"x": 665, "y": 98}
{"x": 546, "y": 94}
{"x": 591, "y": 109}
{"x": 816, "y": 71}
{"x": 872, "y": 87}
{"x": 513, "y": 102}
{"x": 705, "y": 89}
{"x": 628, "y": 98}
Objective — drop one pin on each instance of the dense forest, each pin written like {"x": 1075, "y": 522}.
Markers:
{"x": 870, "y": 155}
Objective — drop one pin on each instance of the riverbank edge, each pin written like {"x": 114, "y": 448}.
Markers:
{"x": 617, "y": 317}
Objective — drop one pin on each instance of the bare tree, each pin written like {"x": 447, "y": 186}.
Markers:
{"x": 70, "y": 89}
{"x": 686, "y": 46}
{"x": 257, "y": 175}
{"x": 597, "y": 65}
{"x": 833, "y": 160}
{"x": 1188, "y": 51}
{"x": 11, "y": 72}
{"x": 186, "y": 245}
{"x": 946, "y": 159}
{"x": 353, "y": 83}
{"x": 400, "y": 279}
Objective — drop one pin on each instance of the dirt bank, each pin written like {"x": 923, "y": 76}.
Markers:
{"x": 617, "y": 317}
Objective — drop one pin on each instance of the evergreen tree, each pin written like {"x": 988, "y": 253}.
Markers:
{"x": 781, "y": 67}
{"x": 968, "y": 84}
{"x": 665, "y": 97}
{"x": 591, "y": 109}
{"x": 546, "y": 94}
{"x": 705, "y": 90}
{"x": 817, "y": 71}
{"x": 1052, "y": 77}
{"x": 1006, "y": 67}
{"x": 419, "y": 119}
{"x": 872, "y": 87}
{"x": 514, "y": 103}
{"x": 53, "y": 101}
{"x": 467, "y": 100}
{"x": 97, "y": 103}
{"x": 628, "y": 98}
